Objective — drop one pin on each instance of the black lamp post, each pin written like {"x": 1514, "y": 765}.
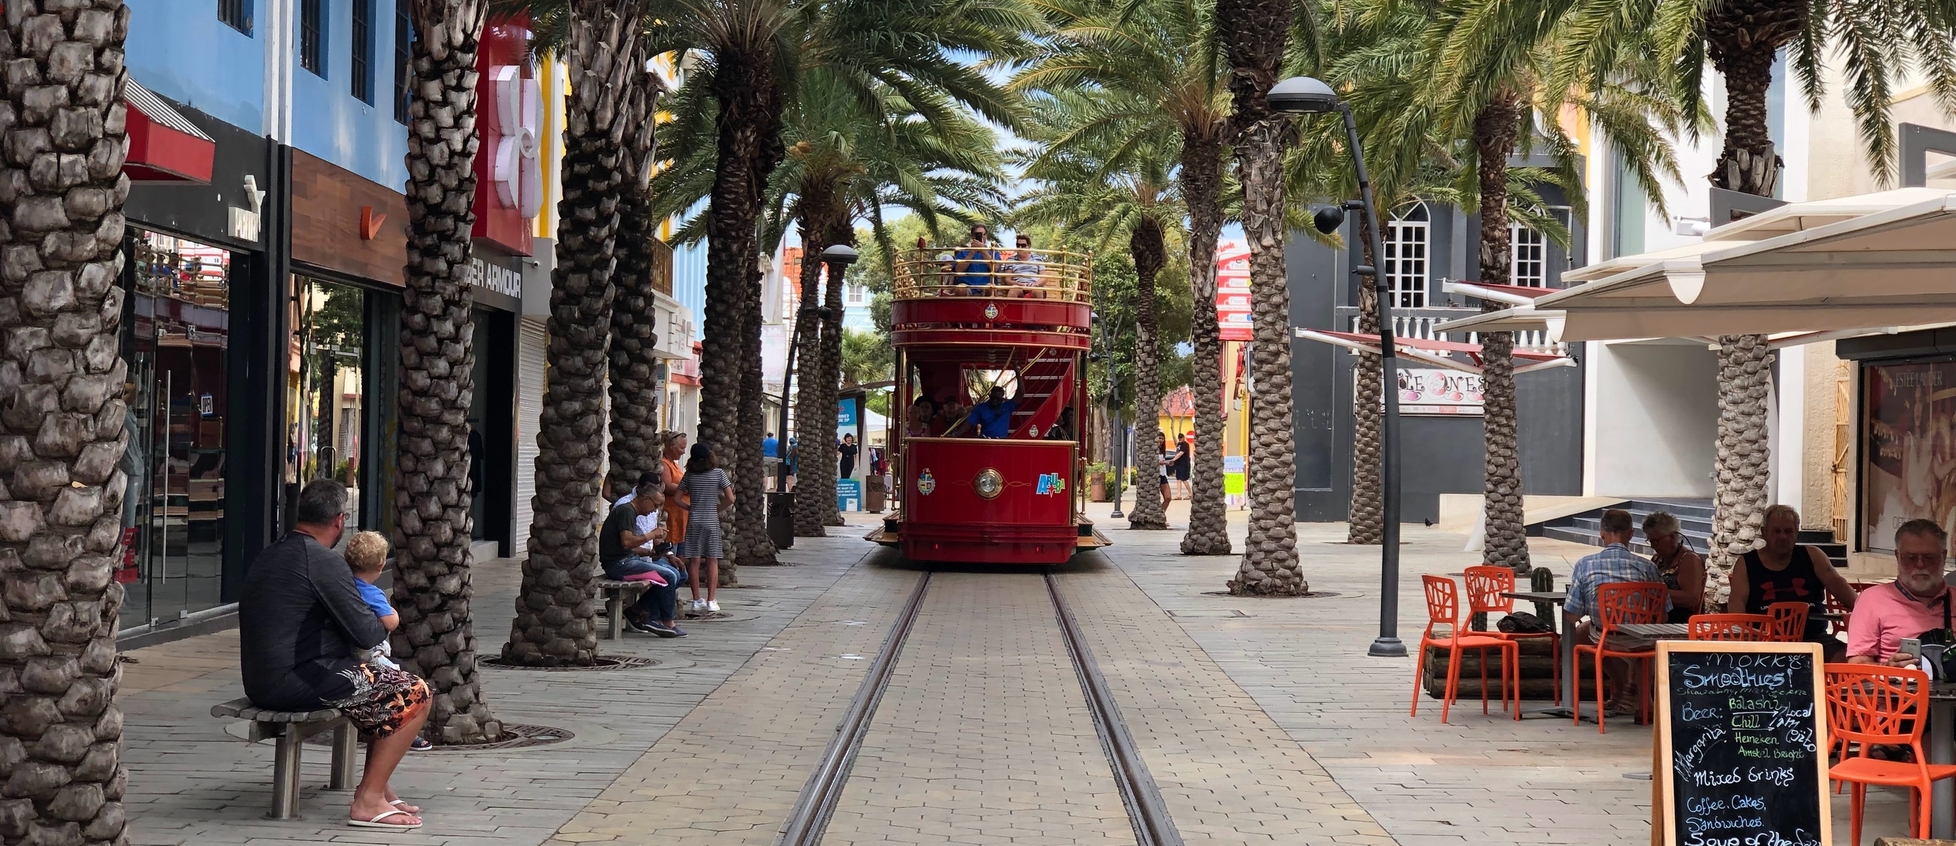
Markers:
{"x": 838, "y": 258}
{"x": 1302, "y": 95}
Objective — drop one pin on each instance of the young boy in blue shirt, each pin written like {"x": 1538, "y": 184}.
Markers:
{"x": 366, "y": 555}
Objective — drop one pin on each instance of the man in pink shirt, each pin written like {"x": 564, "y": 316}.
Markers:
{"x": 1916, "y": 602}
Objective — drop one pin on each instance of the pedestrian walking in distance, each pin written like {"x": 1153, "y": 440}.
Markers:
{"x": 707, "y": 487}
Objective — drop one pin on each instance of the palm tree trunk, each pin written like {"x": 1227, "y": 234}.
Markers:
{"x": 1253, "y": 33}
{"x": 1743, "y": 37}
{"x": 436, "y": 638}
{"x": 62, "y": 428}
{"x": 812, "y": 399}
{"x": 1367, "y": 517}
{"x": 1202, "y": 189}
{"x": 1506, "y": 544}
{"x": 749, "y": 147}
{"x": 556, "y": 610}
{"x": 1145, "y": 245}
{"x": 1270, "y": 562}
{"x": 634, "y": 446}
{"x": 832, "y": 383}
{"x": 748, "y": 532}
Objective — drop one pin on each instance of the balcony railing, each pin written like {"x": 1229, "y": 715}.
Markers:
{"x": 1419, "y": 323}
{"x": 1000, "y": 272}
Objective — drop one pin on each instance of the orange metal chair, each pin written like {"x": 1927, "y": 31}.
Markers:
{"x": 1618, "y": 604}
{"x": 1882, "y": 706}
{"x": 1443, "y": 609}
{"x": 1485, "y": 586}
{"x": 1834, "y": 605}
{"x": 1741, "y": 627}
{"x": 1789, "y": 621}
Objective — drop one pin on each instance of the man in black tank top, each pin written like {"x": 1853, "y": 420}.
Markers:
{"x": 1785, "y": 570}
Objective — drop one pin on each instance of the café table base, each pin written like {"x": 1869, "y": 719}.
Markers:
{"x": 1942, "y": 750}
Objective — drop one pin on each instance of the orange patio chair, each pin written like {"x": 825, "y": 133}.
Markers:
{"x": 1443, "y": 609}
{"x": 1882, "y": 706}
{"x": 1619, "y": 604}
{"x": 1741, "y": 627}
{"x": 1485, "y": 586}
{"x": 1789, "y": 621}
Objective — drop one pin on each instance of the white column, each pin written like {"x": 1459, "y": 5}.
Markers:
{"x": 1789, "y": 437}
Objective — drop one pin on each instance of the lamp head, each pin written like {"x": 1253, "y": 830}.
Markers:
{"x": 1302, "y": 95}
{"x": 1327, "y": 219}
{"x": 841, "y": 254}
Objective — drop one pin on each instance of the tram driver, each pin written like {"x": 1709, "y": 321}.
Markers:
{"x": 993, "y": 417}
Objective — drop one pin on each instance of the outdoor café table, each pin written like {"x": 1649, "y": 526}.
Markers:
{"x": 1942, "y": 750}
{"x": 1657, "y": 631}
{"x": 1568, "y": 646}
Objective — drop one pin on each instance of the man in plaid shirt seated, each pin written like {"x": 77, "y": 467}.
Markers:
{"x": 1615, "y": 563}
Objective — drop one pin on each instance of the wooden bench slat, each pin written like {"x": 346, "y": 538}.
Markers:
{"x": 244, "y": 710}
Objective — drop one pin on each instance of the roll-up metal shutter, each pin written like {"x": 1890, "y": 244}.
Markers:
{"x": 529, "y": 410}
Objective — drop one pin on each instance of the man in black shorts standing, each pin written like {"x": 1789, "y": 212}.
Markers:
{"x": 299, "y": 619}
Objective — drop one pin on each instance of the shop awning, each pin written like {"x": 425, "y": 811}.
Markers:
{"x": 1864, "y": 263}
{"x": 1434, "y": 353}
{"x": 1514, "y": 295}
{"x": 164, "y": 146}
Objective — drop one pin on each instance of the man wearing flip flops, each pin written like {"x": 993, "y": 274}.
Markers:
{"x": 298, "y": 621}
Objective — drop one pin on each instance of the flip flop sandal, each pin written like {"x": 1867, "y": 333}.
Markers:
{"x": 403, "y": 805}
{"x": 376, "y": 821}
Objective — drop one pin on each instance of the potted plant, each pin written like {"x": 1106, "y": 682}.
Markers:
{"x": 1099, "y": 474}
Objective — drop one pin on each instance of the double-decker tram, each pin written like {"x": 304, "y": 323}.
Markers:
{"x": 989, "y": 444}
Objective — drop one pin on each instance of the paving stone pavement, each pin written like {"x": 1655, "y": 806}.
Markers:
{"x": 1262, "y": 720}
{"x": 1227, "y": 772}
{"x": 194, "y": 782}
{"x": 983, "y": 735}
{"x": 1475, "y": 780}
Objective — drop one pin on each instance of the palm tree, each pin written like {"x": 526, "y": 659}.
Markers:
{"x": 556, "y": 611}
{"x": 1494, "y": 94}
{"x": 1253, "y": 34}
{"x": 753, "y": 54}
{"x": 1103, "y": 181}
{"x": 436, "y": 638}
{"x": 1163, "y": 53}
{"x": 62, "y": 500}
{"x": 634, "y": 442}
{"x": 1876, "y": 41}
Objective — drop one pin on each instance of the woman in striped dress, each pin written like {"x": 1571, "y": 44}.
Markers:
{"x": 709, "y": 488}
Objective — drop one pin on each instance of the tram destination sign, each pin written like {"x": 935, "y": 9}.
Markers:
{"x": 1739, "y": 757}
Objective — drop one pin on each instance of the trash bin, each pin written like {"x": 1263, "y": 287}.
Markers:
{"x": 781, "y": 519}
{"x": 873, "y": 494}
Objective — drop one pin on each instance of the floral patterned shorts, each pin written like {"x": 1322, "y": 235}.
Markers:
{"x": 382, "y": 698}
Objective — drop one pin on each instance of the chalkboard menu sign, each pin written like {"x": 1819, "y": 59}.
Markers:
{"x": 1741, "y": 748}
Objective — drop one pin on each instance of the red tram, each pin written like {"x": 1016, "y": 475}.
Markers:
{"x": 979, "y": 479}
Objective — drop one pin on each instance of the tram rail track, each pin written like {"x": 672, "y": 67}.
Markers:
{"x": 816, "y": 805}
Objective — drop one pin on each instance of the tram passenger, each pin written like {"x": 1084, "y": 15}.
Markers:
{"x": 993, "y": 417}
{"x": 920, "y": 422}
{"x": 1023, "y": 267}
{"x": 976, "y": 263}
{"x": 1063, "y": 428}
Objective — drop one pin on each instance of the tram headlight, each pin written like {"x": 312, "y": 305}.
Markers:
{"x": 989, "y": 483}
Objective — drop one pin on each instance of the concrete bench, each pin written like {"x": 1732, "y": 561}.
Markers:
{"x": 292, "y": 728}
{"x": 617, "y": 595}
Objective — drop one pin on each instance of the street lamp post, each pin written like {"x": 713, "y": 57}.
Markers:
{"x": 1304, "y": 95}
{"x": 838, "y": 258}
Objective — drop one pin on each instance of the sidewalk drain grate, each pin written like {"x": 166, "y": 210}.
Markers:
{"x": 515, "y": 736}
{"x": 1316, "y": 594}
{"x": 605, "y": 662}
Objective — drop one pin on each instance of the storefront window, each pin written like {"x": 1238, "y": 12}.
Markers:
{"x": 326, "y": 393}
{"x": 1909, "y": 448}
{"x": 176, "y": 334}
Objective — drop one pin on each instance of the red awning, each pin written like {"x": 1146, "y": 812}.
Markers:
{"x": 1434, "y": 353}
{"x": 164, "y": 146}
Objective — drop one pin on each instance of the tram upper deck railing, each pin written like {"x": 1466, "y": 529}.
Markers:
{"x": 997, "y": 272}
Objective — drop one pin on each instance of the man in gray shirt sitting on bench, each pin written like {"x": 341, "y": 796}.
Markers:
{"x": 298, "y": 620}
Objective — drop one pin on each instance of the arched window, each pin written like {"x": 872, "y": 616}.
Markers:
{"x": 1530, "y": 252}
{"x": 1405, "y": 259}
